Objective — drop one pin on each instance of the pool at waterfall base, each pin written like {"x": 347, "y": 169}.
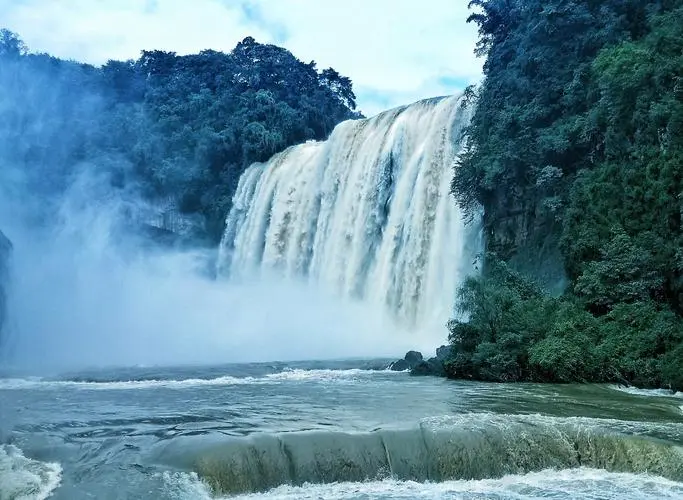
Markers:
{"x": 335, "y": 429}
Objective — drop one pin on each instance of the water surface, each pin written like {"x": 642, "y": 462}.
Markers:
{"x": 346, "y": 429}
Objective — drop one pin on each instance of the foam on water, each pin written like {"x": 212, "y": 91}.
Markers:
{"x": 647, "y": 392}
{"x": 23, "y": 478}
{"x": 322, "y": 376}
{"x": 570, "y": 484}
{"x": 22, "y": 384}
{"x": 325, "y": 375}
{"x": 671, "y": 430}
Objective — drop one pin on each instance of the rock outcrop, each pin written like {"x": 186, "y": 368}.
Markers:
{"x": 415, "y": 362}
{"x": 409, "y": 361}
{"x": 413, "y": 358}
{"x": 433, "y": 367}
{"x": 400, "y": 365}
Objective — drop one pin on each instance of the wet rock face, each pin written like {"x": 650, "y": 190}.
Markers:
{"x": 400, "y": 365}
{"x": 413, "y": 358}
{"x": 415, "y": 362}
{"x": 410, "y": 361}
{"x": 5, "y": 251}
{"x": 433, "y": 367}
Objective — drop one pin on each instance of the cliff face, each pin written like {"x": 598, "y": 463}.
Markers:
{"x": 526, "y": 238}
{"x": 5, "y": 251}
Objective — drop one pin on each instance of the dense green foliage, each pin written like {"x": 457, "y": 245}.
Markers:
{"x": 516, "y": 332}
{"x": 182, "y": 129}
{"x": 577, "y": 144}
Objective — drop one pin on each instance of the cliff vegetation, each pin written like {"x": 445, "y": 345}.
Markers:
{"x": 178, "y": 129}
{"x": 575, "y": 153}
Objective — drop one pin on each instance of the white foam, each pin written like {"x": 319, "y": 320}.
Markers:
{"x": 185, "y": 486}
{"x": 647, "y": 392}
{"x": 502, "y": 420}
{"x": 365, "y": 215}
{"x": 23, "y": 478}
{"x": 325, "y": 375}
{"x": 350, "y": 375}
{"x": 19, "y": 384}
{"x": 582, "y": 483}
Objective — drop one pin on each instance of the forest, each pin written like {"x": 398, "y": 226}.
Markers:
{"x": 575, "y": 153}
{"x": 179, "y": 130}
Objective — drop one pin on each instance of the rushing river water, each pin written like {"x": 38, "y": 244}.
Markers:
{"x": 331, "y": 430}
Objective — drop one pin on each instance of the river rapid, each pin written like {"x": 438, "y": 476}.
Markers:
{"x": 333, "y": 430}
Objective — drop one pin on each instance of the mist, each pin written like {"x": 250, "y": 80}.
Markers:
{"x": 88, "y": 290}
{"x": 90, "y": 287}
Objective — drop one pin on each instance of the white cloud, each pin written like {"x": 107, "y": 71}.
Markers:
{"x": 395, "y": 51}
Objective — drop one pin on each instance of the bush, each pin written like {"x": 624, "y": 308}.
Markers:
{"x": 515, "y": 332}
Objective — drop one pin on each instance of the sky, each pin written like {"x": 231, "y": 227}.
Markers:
{"x": 394, "y": 51}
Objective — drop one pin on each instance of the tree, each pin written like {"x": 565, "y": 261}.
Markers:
{"x": 180, "y": 129}
{"x": 11, "y": 46}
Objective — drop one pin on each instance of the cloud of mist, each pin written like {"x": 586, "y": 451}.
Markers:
{"x": 90, "y": 288}
{"x": 88, "y": 291}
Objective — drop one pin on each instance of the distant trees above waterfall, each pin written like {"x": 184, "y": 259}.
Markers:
{"x": 180, "y": 129}
{"x": 576, "y": 153}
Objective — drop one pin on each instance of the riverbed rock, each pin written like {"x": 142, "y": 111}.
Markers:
{"x": 413, "y": 358}
{"x": 399, "y": 366}
{"x": 409, "y": 361}
{"x": 433, "y": 367}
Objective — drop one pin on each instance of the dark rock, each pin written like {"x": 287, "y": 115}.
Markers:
{"x": 413, "y": 358}
{"x": 422, "y": 368}
{"x": 443, "y": 352}
{"x": 399, "y": 366}
{"x": 432, "y": 366}
{"x": 437, "y": 367}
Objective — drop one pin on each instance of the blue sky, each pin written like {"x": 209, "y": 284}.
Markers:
{"x": 395, "y": 51}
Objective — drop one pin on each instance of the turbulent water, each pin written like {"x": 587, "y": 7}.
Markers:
{"x": 366, "y": 214}
{"x": 334, "y": 430}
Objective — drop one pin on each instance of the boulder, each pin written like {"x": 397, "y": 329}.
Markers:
{"x": 417, "y": 365}
{"x": 433, "y": 367}
{"x": 443, "y": 352}
{"x": 413, "y": 358}
{"x": 422, "y": 368}
{"x": 399, "y": 366}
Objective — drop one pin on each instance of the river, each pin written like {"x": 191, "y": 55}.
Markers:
{"x": 332, "y": 430}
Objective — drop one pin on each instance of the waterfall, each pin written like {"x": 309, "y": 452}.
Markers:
{"x": 366, "y": 214}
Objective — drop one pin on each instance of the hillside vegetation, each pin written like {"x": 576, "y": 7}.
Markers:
{"x": 576, "y": 154}
{"x": 179, "y": 130}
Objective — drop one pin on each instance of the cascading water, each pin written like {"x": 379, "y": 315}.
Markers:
{"x": 366, "y": 214}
